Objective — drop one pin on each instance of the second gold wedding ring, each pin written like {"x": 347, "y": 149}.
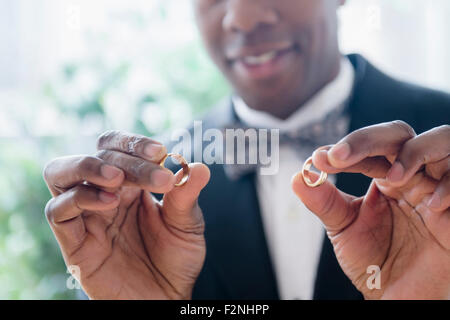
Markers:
{"x": 184, "y": 166}
{"x": 305, "y": 173}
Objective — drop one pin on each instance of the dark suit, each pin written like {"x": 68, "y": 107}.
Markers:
{"x": 238, "y": 265}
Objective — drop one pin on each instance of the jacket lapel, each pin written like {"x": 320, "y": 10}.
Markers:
{"x": 365, "y": 108}
{"x": 237, "y": 257}
{"x": 236, "y": 242}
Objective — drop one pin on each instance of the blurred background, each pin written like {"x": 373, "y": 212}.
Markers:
{"x": 70, "y": 70}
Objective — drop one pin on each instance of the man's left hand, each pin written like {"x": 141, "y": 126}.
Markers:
{"x": 402, "y": 224}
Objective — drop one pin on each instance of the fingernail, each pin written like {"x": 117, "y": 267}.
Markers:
{"x": 340, "y": 151}
{"x": 153, "y": 150}
{"x": 107, "y": 197}
{"x": 109, "y": 172}
{"x": 435, "y": 201}
{"x": 160, "y": 178}
{"x": 322, "y": 153}
{"x": 396, "y": 173}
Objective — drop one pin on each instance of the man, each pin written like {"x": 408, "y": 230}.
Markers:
{"x": 282, "y": 59}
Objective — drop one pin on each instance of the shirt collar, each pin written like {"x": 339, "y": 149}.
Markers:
{"x": 329, "y": 97}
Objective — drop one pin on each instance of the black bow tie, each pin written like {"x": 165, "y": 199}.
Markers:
{"x": 329, "y": 130}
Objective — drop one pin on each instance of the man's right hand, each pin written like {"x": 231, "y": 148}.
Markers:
{"x": 126, "y": 244}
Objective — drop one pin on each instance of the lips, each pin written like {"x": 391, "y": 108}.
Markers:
{"x": 264, "y": 58}
{"x": 260, "y": 59}
{"x": 265, "y": 61}
{"x": 257, "y": 50}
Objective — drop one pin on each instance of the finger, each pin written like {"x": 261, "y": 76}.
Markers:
{"x": 63, "y": 173}
{"x": 419, "y": 187}
{"x": 431, "y": 146}
{"x": 379, "y": 140}
{"x": 132, "y": 144}
{"x": 440, "y": 200}
{"x": 180, "y": 205}
{"x": 437, "y": 222}
{"x": 374, "y": 167}
{"x": 436, "y": 170}
{"x": 64, "y": 212}
{"x": 140, "y": 173}
{"x": 330, "y": 205}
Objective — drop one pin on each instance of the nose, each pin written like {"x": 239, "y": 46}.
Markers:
{"x": 246, "y": 15}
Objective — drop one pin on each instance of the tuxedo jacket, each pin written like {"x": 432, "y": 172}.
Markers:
{"x": 238, "y": 264}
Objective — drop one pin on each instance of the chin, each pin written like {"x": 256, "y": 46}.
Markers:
{"x": 279, "y": 97}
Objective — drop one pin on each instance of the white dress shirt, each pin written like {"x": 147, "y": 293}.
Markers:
{"x": 294, "y": 234}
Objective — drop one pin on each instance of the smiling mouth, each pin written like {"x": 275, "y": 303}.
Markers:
{"x": 260, "y": 54}
{"x": 264, "y": 58}
{"x": 260, "y": 59}
{"x": 264, "y": 62}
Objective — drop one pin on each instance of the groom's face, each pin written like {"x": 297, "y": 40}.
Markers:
{"x": 275, "y": 53}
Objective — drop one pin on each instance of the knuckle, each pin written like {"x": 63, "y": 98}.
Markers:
{"x": 134, "y": 169}
{"x": 200, "y": 225}
{"x": 122, "y": 141}
{"x": 139, "y": 168}
{"x": 133, "y": 144}
{"x": 188, "y": 221}
{"x": 106, "y": 137}
{"x": 49, "y": 210}
{"x": 46, "y": 172}
{"x": 198, "y": 228}
{"x": 407, "y": 130}
{"x": 359, "y": 138}
{"x": 103, "y": 155}
{"x": 88, "y": 164}
{"x": 50, "y": 167}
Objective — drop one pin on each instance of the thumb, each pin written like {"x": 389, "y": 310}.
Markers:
{"x": 180, "y": 205}
{"x": 332, "y": 206}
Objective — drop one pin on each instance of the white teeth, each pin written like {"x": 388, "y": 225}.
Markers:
{"x": 256, "y": 60}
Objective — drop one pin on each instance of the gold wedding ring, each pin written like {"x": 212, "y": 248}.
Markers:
{"x": 323, "y": 175}
{"x": 184, "y": 166}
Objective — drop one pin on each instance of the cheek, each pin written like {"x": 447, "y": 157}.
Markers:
{"x": 209, "y": 22}
{"x": 311, "y": 22}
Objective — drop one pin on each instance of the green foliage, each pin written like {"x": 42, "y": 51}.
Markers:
{"x": 145, "y": 87}
{"x": 31, "y": 266}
